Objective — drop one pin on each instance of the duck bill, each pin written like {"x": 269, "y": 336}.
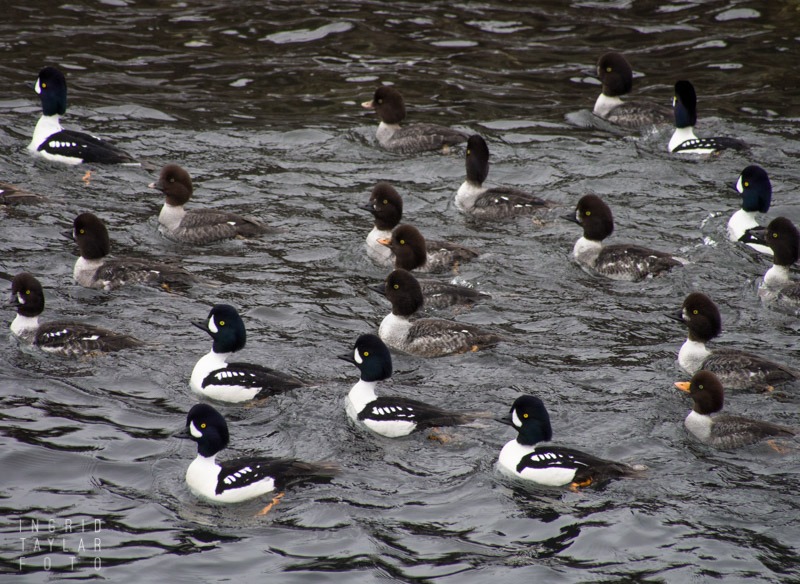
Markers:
{"x": 676, "y": 316}
{"x": 385, "y": 241}
{"x": 68, "y": 235}
{"x": 183, "y": 434}
{"x": 755, "y": 235}
{"x": 347, "y": 357}
{"x": 379, "y": 288}
{"x": 683, "y": 385}
{"x": 505, "y": 420}
{"x": 158, "y": 185}
{"x": 368, "y": 104}
{"x": 571, "y": 218}
{"x": 201, "y": 326}
{"x": 368, "y": 206}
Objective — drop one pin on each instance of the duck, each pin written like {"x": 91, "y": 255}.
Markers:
{"x": 54, "y": 143}
{"x": 198, "y": 226}
{"x": 683, "y": 140}
{"x": 552, "y": 466}
{"x": 239, "y": 479}
{"x": 737, "y": 370}
{"x": 411, "y": 251}
{"x": 215, "y": 378}
{"x": 721, "y": 430}
{"x": 93, "y": 269}
{"x": 616, "y": 75}
{"x": 14, "y": 195}
{"x": 756, "y": 190}
{"x": 783, "y": 240}
{"x": 496, "y": 202}
{"x": 616, "y": 262}
{"x": 61, "y": 336}
{"x": 388, "y": 103}
{"x": 426, "y": 337}
{"x": 390, "y": 416}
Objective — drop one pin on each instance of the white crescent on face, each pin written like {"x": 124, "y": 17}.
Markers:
{"x": 212, "y": 326}
{"x": 38, "y": 88}
{"x": 194, "y": 431}
{"x": 739, "y": 185}
{"x": 20, "y": 298}
{"x": 515, "y": 419}
{"x": 357, "y": 357}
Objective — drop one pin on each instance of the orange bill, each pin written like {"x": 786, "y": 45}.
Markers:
{"x": 367, "y": 104}
{"x": 683, "y": 385}
{"x": 385, "y": 241}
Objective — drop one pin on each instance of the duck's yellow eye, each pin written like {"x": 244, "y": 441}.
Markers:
{"x": 695, "y": 311}
{"x": 366, "y": 353}
{"x": 380, "y": 101}
{"x": 700, "y": 386}
{"x": 27, "y": 291}
{"x": 203, "y": 425}
{"x": 171, "y": 179}
{"x": 747, "y": 184}
{"x": 385, "y": 202}
{"x": 608, "y": 69}
{"x": 775, "y": 235}
{"x": 524, "y": 415}
{"x": 222, "y": 323}
{"x": 469, "y": 151}
{"x": 588, "y": 213}
{"x": 396, "y": 286}
{"x": 402, "y": 242}
{"x": 44, "y": 85}
{"x": 81, "y": 231}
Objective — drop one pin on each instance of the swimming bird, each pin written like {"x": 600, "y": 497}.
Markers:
{"x": 95, "y": 270}
{"x": 214, "y": 377}
{"x": 756, "y": 190}
{"x": 683, "y": 140}
{"x": 52, "y": 142}
{"x": 61, "y": 336}
{"x": 390, "y": 107}
{"x": 552, "y": 466}
{"x": 735, "y": 369}
{"x": 617, "y": 262}
{"x": 239, "y": 479}
{"x": 390, "y": 416}
{"x": 14, "y": 195}
{"x": 722, "y": 430}
{"x": 783, "y": 240}
{"x": 495, "y": 202}
{"x": 616, "y": 75}
{"x": 198, "y": 226}
{"x": 426, "y": 337}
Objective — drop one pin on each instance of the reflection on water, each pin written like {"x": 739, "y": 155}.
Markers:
{"x": 260, "y": 103}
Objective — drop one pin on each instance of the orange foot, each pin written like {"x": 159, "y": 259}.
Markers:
{"x": 438, "y": 436}
{"x": 87, "y": 176}
{"x": 275, "y": 500}
{"x": 474, "y": 348}
{"x": 166, "y": 287}
{"x": 777, "y": 447}
{"x": 256, "y": 403}
{"x": 576, "y": 485}
{"x": 445, "y": 149}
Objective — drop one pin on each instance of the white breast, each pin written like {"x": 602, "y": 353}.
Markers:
{"x": 692, "y": 355}
{"x": 394, "y": 331}
{"x": 510, "y": 456}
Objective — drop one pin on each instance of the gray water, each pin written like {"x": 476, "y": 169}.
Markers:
{"x": 259, "y": 101}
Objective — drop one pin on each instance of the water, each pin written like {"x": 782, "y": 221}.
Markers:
{"x": 260, "y": 102}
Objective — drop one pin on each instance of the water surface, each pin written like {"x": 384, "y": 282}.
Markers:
{"x": 260, "y": 103}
